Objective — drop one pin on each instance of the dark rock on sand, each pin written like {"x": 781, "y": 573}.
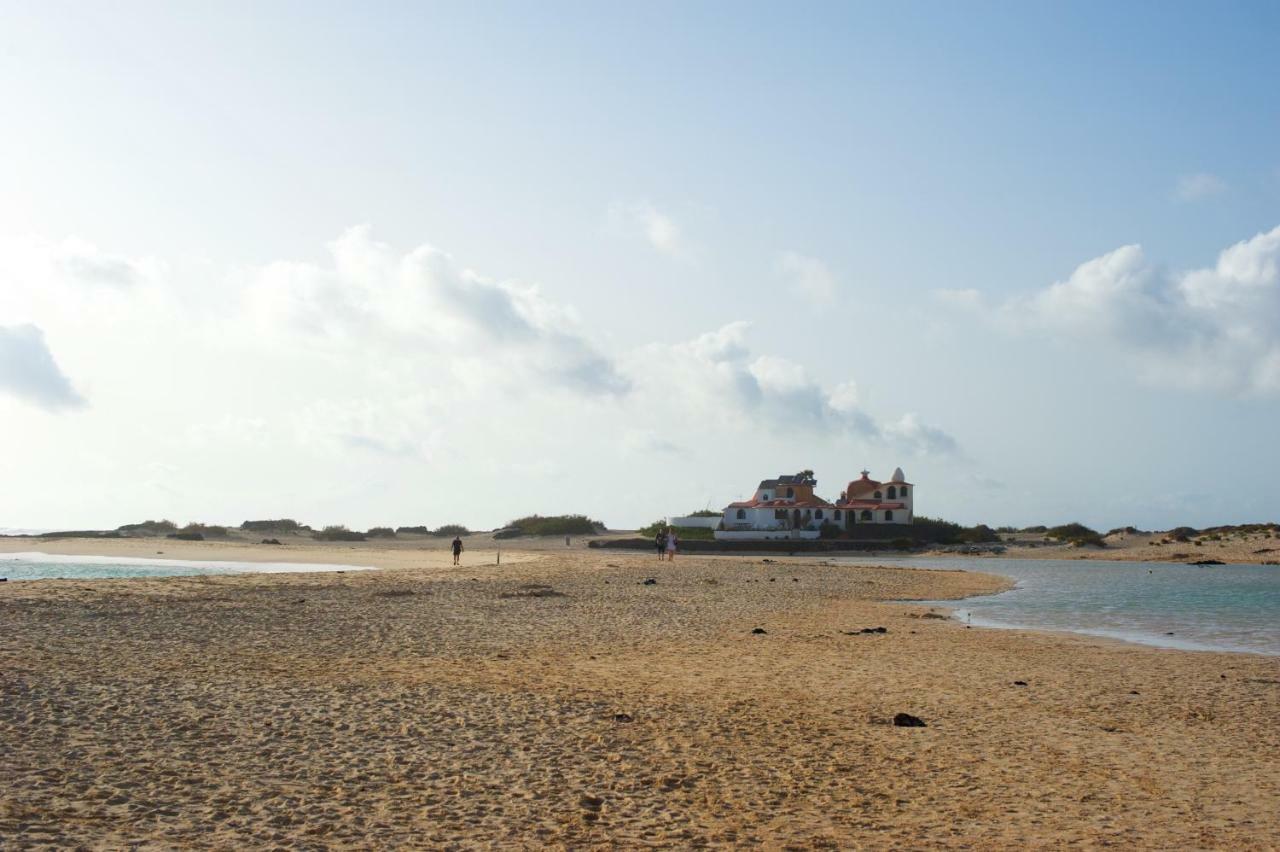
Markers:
{"x": 906, "y": 720}
{"x": 759, "y": 631}
{"x": 1019, "y": 683}
{"x": 650, "y": 582}
{"x": 270, "y": 541}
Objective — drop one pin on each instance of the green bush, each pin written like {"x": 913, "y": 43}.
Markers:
{"x": 414, "y": 530}
{"x": 381, "y": 532}
{"x": 1077, "y": 534}
{"x": 705, "y": 513}
{"x": 903, "y": 544}
{"x": 451, "y": 530}
{"x": 556, "y": 525}
{"x": 148, "y": 528}
{"x": 206, "y": 530}
{"x": 338, "y": 532}
{"x": 281, "y": 525}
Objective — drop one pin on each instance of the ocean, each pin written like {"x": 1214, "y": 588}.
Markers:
{"x": 1169, "y": 605}
{"x": 42, "y": 566}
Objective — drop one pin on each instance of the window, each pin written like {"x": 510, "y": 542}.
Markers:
{"x": 838, "y": 515}
{"x": 903, "y": 492}
{"x": 791, "y": 492}
{"x": 893, "y": 492}
{"x": 764, "y": 496}
{"x": 878, "y": 495}
{"x": 866, "y": 514}
{"x": 888, "y": 514}
{"x": 818, "y": 514}
{"x": 742, "y": 514}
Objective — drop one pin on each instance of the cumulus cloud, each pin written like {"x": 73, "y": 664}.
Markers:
{"x": 422, "y": 303}
{"x": 28, "y": 370}
{"x": 84, "y": 262}
{"x": 717, "y": 378}
{"x": 1214, "y": 328}
{"x": 1196, "y": 187}
{"x": 808, "y": 277}
{"x": 657, "y": 228}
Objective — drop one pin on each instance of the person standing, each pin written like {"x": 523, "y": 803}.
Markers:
{"x": 660, "y": 542}
{"x": 672, "y": 543}
{"x": 457, "y": 549}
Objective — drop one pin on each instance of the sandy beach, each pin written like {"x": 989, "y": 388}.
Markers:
{"x": 560, "y": 701}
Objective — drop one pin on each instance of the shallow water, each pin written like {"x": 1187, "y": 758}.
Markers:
{"x": 43, "y": 566}
{"x": 1204, "y": 608}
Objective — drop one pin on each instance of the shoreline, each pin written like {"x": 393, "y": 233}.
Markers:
{"x": 562, "y": 701}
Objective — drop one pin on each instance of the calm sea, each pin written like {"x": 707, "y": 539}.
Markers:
{"x": 42, "y": 566}
{"x": 1203, "y": 608}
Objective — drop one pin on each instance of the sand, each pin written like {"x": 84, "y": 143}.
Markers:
{"x": 560, "y": 702}
{"x": 1231, "y": 547}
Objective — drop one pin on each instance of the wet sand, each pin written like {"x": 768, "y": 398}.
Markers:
{"x": 559, "y": 701}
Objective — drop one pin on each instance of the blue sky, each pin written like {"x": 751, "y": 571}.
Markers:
{"x": 673, "y": 250}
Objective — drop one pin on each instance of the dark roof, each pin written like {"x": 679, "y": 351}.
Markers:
{"x": 791, "y": 479}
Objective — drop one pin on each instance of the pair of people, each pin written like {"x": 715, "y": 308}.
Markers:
{"x": 666, "y": 543}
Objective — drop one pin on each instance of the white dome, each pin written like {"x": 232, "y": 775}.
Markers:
{"x": 898, "y": 475}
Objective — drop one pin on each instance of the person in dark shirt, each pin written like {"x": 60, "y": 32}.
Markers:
{"x": 660, "y": 542}
{"x": 457, "y": 549}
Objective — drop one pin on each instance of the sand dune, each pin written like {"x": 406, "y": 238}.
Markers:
{"x": 560, "y": 702}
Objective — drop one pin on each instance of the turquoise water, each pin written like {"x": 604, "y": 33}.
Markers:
{"x": 43, "y": 566}
{"x": 1205, "y": 608}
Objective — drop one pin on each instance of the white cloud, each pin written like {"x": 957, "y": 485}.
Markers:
{"x": 808, "y": 277}
{"x": 1214, "y": 328}
{"x": 657, "y": 228}
{"x": 422, "y": 303}
{"x": 1196, "y": 187}
{"x": 717, "y": 379}
{"x": 29, "y": 372}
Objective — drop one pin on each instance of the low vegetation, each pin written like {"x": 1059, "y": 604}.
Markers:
{"x": 380, "y": 532}
{"x": 1077, "y": 534}
{"x": 939, "y": 531}
{"x": 148, "y": 528}
{"x": 413, "y": 530}
{"x": 281, "y": 525}
{"x": 451, "y": 530}
{"x": 338, "y": 532}
{"x": 555, "y": 525}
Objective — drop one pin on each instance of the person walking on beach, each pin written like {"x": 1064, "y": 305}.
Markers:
{"x": 672, "y": 543}
{"x": 457, "y": 549}
{"x": 660, "y": 542}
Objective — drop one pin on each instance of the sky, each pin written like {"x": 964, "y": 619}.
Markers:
{"x": 393, "y": 264}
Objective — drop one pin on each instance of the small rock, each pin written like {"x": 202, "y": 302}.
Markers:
{"x": 795, "y": 579}
{"x": 906, "y": 720}
{"x": 759, "y": 631}
{"x": 1133, "y": 692}
{"x": 650, "y": 582}
{"x": 772, "y": 580}
{"x": 933, "y": 615}
{"x": 1019, "y": 683}
{"x": 622, "y": 717}
{"x": 590, "y": 802}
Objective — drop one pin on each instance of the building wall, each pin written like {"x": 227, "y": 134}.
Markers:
{"x": 694, "y": 521}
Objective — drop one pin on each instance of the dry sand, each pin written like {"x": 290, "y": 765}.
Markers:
{"x": 560, "y": 702}
{"x": 1235, "y": 547}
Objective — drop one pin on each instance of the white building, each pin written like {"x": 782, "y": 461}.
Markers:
{"x": 787, "y": 508}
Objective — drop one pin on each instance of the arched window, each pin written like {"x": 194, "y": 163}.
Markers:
{"x": 878, "y": 495}
{"x": 888, "y": 514}
{"x": 838, "y": 515}
{"x": 903, "y": 492}
{"x": 791, "y": 492}
{"x": 764, "y": 496}
{"x": 742, "y": 514}
{"x": 818, "y": 514}
{"x": 866, "y": 514}
{"x": 893, "y": 492}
